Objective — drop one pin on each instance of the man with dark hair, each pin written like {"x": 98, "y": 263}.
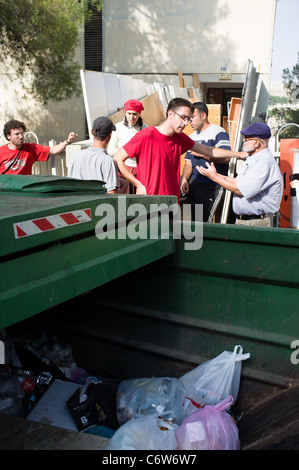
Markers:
{"x": 125, "y": 130}
{"x": 158, "y": 151}
{"x": 202, "y": 190}
{"x": 18, "y": 157}
{"x": 94, "y": 163}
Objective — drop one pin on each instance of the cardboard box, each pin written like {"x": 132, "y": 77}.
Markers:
{"x": 97, "y": 406}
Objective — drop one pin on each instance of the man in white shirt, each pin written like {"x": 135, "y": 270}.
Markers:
{"x": 94, "y": 163}
{"x": 259, "y": 185}
{"x": 125, "y": 131}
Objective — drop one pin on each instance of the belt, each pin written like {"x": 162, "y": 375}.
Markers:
{"x": 250, "y": 217}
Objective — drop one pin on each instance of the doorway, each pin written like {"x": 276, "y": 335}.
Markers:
{"x": 223, "y": 96}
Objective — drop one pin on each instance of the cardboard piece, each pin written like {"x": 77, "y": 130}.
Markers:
{"x": 152, "y": 114}
{"x": 52, "y": 408}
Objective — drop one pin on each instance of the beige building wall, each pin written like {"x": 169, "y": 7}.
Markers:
{"x": 162, "y": 37}
{"x": 212, "y": 38}
{"x": 153, "y": 40}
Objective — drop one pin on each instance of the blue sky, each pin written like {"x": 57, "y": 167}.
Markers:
{"x": 286, "y": 38}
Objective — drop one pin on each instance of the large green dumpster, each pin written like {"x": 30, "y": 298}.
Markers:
{"x": 49, "y": 250}
{"x": 155, "y": 307}
{"x": 241, "y": 287}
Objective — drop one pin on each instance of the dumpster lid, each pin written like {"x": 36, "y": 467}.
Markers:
{"x": 48, "y": 184}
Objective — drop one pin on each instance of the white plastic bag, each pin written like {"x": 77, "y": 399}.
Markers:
{"x": 209, "y": 428}
{"x": 212, "y": 381}
{"x": 160, "y": 396}
{"x": 146, "y": 433}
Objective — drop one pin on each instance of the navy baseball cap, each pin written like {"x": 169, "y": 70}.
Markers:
{"x": 103, "y": 126}
{"x": 259, "y": 129}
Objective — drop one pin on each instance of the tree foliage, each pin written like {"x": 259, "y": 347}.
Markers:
{"x": 273, "y": 100}
{"x": 290, "y": 79}
{"x": 38, "y": 42}
{"x": 281, "y": 113}
{"x": 284, "y": 114}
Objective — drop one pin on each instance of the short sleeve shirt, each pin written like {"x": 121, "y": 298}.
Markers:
{"x": 29, "y": 154}
{"x": 94, "y": 164}
{"x": 158, "y": 159}
{"x": 261, "y": 184}
{"x": 212, "y": 136}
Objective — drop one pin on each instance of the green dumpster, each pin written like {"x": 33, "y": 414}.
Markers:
{"x": 153, "y": 306}
{"x": 240, "y": 287}
{"x": 50, "y": 251}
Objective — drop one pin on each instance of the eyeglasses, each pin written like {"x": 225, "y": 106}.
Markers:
{"x": 185, "y": 118}
{"x": 252, "y": 138}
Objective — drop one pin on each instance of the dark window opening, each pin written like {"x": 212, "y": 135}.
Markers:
{"x": 93, "y": 42}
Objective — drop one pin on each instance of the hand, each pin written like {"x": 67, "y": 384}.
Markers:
{"x": 141, "y": 189}
{"x": 72, "y": 136}
{"x": 209, "y": 170}
{"x": 242, "y": 155}
{"x": 185, "y": 187}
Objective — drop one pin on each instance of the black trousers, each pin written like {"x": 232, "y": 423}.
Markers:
{"x": 202, "y": 194}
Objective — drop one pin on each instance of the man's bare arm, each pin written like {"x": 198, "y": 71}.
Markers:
{"x": 187, "y": 172}
{"x": 58, "y": 148}
{"x": 120, "y": 158}
{"x": 215, "y": 154}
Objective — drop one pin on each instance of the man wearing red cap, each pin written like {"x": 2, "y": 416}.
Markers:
{"x": 126, "y": 129}
{"x": 158, "y": 151}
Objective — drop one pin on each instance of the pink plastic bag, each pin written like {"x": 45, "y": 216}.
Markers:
{"x": 209, "y": 428}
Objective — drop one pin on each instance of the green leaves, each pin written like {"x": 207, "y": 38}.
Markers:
{"x": 39, "y": 40}
{"x": 290, "y": 79}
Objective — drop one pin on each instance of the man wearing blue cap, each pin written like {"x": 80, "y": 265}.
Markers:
{"x": 258, "y": 186}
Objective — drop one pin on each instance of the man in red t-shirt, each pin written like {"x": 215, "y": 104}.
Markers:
{"x": 158, "y": 150}
{"x": 17, "y": 157}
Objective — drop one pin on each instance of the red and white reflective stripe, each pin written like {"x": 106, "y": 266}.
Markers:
{"x": 51, "y": 222}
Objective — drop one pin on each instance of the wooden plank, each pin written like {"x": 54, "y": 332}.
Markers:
{"x": 234, "y": 110}
{"x": 195, "y": 80}
{"x": 194, "y": 99}
{"x": 214, "y": 114}
{"x": 181, "y": 79}
{"x": 233, "y": 118}
{"x": 225, "y": 124}
{"x": 191, "y": 92}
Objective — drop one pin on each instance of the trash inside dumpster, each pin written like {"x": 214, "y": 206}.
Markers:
{"x": 42, "y": 382}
